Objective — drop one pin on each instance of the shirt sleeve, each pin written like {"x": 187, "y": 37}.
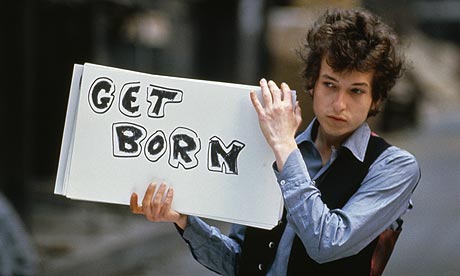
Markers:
{"x": 384, "y": 196}
{"x": 213, "y": 249}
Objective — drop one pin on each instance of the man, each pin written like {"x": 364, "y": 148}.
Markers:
{"x": 344, "y": 188}
{"x": 17, "y": 255}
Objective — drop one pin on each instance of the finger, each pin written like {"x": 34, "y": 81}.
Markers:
{"x": 167, "y": 204}
{"x": 256, "y": 103}
{"x": 147, "y": 200}
{"x": 266, "y": 94}
{"x": 157, "y": 201}
{"x": 275, "y": 91}
{"x": 287, "y": 93}
{"x": 135, "y": 208}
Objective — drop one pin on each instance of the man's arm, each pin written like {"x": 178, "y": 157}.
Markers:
{"x": 211, "y": 248}
{"x": 333, "y": 234}
{"x": 208, "y": 245}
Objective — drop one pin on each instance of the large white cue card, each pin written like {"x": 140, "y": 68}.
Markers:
{"x": 125, "y": 129}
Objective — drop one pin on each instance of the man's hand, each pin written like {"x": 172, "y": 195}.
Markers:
{"x": 279, "y": 119}
{"x": 155, "y": 208}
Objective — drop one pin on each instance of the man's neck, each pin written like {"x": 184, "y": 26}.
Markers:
{"x": 324, "y": 143}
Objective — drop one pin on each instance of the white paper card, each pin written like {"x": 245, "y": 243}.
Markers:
{"x": 125, "y": 129}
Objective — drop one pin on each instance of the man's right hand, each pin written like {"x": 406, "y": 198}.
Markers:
{"x": 155, "y": 209}
{"x": 279, "y": 118}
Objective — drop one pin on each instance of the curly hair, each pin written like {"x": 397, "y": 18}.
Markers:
{"x": 354, "y": 40}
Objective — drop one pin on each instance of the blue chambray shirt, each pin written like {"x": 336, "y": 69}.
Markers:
{"x": 383, "y": 197}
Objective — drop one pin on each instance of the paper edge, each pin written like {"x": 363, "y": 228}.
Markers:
{"x": 69, "y": 125}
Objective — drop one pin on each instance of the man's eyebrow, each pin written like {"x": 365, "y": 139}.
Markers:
{"x": 354, "y": 84}
{"x": 360, "y": 84}
{"x": 329, "y": 77}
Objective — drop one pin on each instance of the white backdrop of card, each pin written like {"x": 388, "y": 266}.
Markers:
{"x": 101, "y": 160}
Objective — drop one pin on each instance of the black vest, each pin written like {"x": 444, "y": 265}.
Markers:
{"x": 340, "y": 181}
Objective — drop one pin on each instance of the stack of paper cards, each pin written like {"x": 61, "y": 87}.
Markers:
{"x": 125, "y": 129}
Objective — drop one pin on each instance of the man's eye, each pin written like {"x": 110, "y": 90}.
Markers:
{"x": 357, "y": 91}
{"x": 329, "y": 84}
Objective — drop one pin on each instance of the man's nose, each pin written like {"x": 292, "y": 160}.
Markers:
{"x": 339, "y": 102}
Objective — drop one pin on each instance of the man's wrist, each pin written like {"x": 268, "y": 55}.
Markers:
{"x": 182, "y": 222}
{"x": 282, "y": 152}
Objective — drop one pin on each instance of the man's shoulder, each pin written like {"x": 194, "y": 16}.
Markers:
{"x": 398, "y": 168}
{"x": 396, "y": 157}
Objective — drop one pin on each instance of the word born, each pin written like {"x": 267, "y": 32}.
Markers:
{"x": 183, "y": 143}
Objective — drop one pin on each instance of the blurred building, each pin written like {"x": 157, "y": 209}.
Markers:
{"x": 226, "y": 40}
{"x": 233, "y": 41}
{"x": 41, "y": 40}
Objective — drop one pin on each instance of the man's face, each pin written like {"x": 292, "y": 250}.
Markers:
{"x": 341, "y": 101}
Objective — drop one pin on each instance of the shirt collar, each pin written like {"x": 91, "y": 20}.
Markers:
{"x": 356, "y": 143}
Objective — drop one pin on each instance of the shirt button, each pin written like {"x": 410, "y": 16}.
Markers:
{"x": 271, "y": 244}
{"x": 313, "y": 183}
{"x": 282, "y": 182}
{"x": 260, "y": 267}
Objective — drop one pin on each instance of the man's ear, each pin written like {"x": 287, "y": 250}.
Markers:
{"x": 375, "y": 106}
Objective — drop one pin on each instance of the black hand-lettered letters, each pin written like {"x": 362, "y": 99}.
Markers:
{"x": 163, "y": 96}
{"x": 155, "y": 146}
{"x": 100, "y": 95}
{"x": 126, "y": 138}
{"x": 129, "y": 139}
{"x": 184, "y": 145}
{"x": 228, "y": 155}
{"x": 128, "y": 103}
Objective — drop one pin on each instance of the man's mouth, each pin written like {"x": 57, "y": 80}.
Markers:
{"x": 337, "y": 118}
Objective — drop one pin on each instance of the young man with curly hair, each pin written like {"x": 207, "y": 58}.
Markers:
{"x": 344, "y": 188}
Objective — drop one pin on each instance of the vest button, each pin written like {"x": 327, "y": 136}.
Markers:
{"x": 271, "y": 244}
{"x": 260, "y": 267}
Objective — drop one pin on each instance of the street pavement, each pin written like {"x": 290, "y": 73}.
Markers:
{"x": 430, "y": 241}
{"x": 82, "y": 238}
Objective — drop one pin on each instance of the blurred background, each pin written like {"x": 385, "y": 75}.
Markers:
{"x": 232, "y": 41}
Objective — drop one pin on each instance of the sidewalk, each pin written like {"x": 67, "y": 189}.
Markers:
{"x": 85, "y": 238}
